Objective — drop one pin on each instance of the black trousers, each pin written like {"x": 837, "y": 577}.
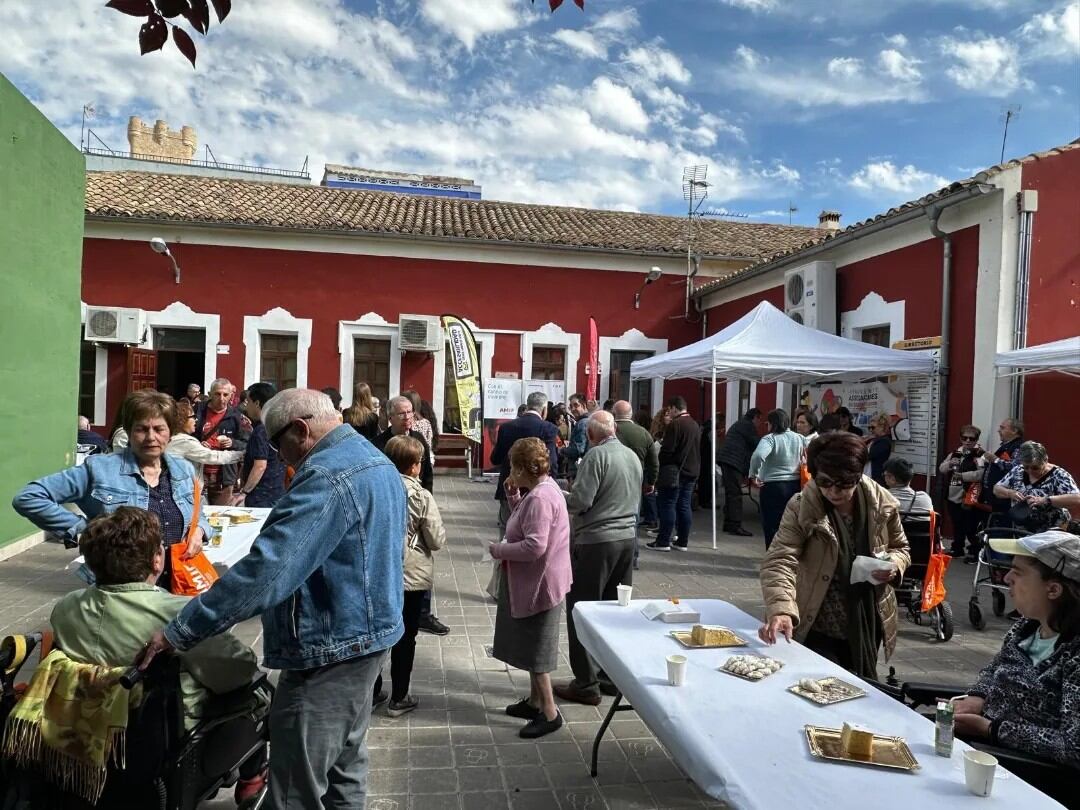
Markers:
{"x": 599, "y": 569}
{"x": 966, "y": 524}
{"x": 403, "y": 653}
{"x": 733, "y": 484}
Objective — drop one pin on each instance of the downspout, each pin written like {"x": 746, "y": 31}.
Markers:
{"x": 1027, "y": 204}
{"x": 933, "y": 214}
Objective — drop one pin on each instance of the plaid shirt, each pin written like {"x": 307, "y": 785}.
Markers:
{"x": 1034, "y": 708}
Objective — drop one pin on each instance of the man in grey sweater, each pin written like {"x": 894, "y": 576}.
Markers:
{"x": 603, "y": 507}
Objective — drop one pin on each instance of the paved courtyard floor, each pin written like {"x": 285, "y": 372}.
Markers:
{"x": 458, "y": 749}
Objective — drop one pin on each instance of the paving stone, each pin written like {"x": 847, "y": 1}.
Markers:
{"x": 430, "y": 757}
{"x": 433, "y": 780}
{"x": 480, "y": 779}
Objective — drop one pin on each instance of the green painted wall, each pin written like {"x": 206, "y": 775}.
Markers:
{"x": 42, "y": 188}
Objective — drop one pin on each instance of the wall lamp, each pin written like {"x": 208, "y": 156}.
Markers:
{"x": 652, "y": 276}
{"x": 158, "y": 245}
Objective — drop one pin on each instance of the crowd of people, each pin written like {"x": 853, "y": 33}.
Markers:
{"x": 342, "y": 570}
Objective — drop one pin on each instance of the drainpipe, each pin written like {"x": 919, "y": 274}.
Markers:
{"x": 933, "y": 214}
{"x": 1028, "y": 204}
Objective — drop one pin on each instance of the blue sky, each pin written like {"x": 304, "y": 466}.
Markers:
{"x": 844, "y": 104}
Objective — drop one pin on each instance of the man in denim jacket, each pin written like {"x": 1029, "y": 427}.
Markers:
{"x": 325, "y": 574}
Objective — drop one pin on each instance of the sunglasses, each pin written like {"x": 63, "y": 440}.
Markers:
{"x": 824, "y": 482}
{"x": 275, "y": 440}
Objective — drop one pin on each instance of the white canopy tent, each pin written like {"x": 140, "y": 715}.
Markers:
{"x": 1061, "y": 355}
{"x": 766, "y": 346}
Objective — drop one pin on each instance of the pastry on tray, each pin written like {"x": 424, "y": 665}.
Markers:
{"x": 856, "y": 741}
{"x": 703, "y": 636}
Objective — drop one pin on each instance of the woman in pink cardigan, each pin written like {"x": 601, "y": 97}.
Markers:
{"x": 536, "y": 578}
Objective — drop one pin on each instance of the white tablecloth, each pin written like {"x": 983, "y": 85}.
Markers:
{"x": 236, "y": 541}
{"x": 743, "y": 742}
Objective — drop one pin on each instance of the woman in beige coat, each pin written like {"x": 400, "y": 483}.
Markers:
{"x": 806, "y": 574}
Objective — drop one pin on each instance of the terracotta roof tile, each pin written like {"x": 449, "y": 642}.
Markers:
{"x": 981, "y": 177}
{"x": 217, "y": 201}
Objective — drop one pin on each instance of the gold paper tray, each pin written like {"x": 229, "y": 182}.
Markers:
{"x": 230, "y": 518}
{"x": 833, "y": 690}
{"x": 889, "y": 752}
{"x": 727, "y": 671}
{"x": 683, "y": 637}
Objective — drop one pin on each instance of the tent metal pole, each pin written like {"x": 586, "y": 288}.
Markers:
{"x": 712, "y": 461}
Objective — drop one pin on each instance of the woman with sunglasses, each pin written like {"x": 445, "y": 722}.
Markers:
{"x": 963, "y": 468}
{"x": 806, "y": 574}
{"x": 1038, "y": 483}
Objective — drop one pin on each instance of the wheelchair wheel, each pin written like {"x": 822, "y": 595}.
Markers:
{"x": 943, "y": 621}
{"x": 975, "y": 616}
{"x": 998, "y": 603}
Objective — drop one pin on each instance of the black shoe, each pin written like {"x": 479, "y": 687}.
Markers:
{"x": 970, "y": 559}
{"x": 431, "y": 624}
{"x": 539, "y": 726}
{"x": 524, "y": 710}
{"x": 403, "y": 706}
{"x": 956, "y": 553}
{"x": 379, "y": 699}
{"x": 739, "y": 531}
{"x": 608, "y": 688}
{"x": 679, "y": 546}
{"x": 657, "y": 547}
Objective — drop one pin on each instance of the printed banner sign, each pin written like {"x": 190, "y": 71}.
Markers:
{"x": 466, "y": 371}
{"x": 502, "y": 398}
{"x": 593, "y": 383}
{"x": 554, "y": 389}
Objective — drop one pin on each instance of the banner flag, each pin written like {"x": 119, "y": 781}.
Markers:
{"x": 593, "y": 386}
{"x": 466, "y": 371}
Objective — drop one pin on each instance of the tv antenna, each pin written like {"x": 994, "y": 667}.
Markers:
{"x": 1008, "y": 115}
{"x": 791, "y": 209}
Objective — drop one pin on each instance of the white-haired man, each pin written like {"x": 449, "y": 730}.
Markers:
{"x": 219, "y": 426}
{"x": 325, "y": 573}
{"x": 87, "y": 438}
{"x": 603, "y": 507}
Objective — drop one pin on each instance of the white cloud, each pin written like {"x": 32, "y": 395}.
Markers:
{"x": 844, "y": 67}
{"x": 753, "y": 5}
{"x": 897, "y": 41}
{"x": 619, "y": 22}
{"x": 990, "y": 65}
{"x": 581, "y": 41}
{"x": 657, "y": 64}
{"x": 1054, "y": 34}
{"x": 900, "y": 67}
{"x": 469, "y": 20}
{"x": 721, "y": 125}
{"x": 749, "y": 58}
{"x": 884, "y": 179}
{"x": 614, "y": 103}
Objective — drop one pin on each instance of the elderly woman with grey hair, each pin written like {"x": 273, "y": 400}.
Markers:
{"x": 1036, "y": 482}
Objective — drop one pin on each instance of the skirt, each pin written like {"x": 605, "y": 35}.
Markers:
{"x": 531, "y": 643}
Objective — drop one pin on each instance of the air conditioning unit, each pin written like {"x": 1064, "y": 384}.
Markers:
{"x": 810, "y": 295}
{"x": 115, "y": 325}
{"x": 420, "y": 333}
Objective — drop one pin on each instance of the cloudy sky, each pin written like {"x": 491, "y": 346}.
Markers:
{"x": 845, "y": 104}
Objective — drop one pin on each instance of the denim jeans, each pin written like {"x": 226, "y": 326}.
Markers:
{"x": 673, "y": 505}
{"x": 774, "y": 500}
{"x": 318, "y": 721}
{"x": 648, "y": 508}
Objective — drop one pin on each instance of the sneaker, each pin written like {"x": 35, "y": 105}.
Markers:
{"x": 523, "y": 710}
{"x": 571, "y": 692}
{"x": 431, "y": 624}
{"x": 379, "y": 699}
{"x": 657, "y": 547}
{"x": 679, "y": 546}
{"x": 653, "y": 530}
{"x": 250, "y": 792}
{"x": 396, "y": 708}
{"x": 539, "y": 726}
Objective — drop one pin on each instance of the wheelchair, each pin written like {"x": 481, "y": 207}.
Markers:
{"x": 924, "y": 539}
{"x": 167, "y": 766}
{"x": 1052, "y": 778}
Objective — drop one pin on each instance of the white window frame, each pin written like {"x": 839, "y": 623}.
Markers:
{"x": 179, "y": 315}
{"x": 276, "y": 321}
{"x": 551, "y": 335}
{"x": 630, "y": 340}
{"x": 874, "y": 311}
{"x": 370, "y": 326}
{"x": 438, "y": 383}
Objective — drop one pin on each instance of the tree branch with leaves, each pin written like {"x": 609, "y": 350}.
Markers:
{"x": 154, "y": 33}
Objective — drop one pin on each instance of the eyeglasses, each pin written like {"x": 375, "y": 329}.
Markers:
{"x": 824, "y": 482}
{"x": 275, "y": 440}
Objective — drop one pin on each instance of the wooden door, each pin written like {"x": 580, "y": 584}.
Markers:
{"x": 371, "y": 364}
{"x": 141, "y": 369}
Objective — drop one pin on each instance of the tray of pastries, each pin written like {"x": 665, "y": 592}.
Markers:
{"x": 232, "y": 517}
{"x": 858, "y": 746}
{"x": 705, "y": 637}
{"x": 751, "y": 667}
{"x": 826, "y": 691}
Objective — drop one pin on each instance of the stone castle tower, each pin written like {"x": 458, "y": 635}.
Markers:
{"x": 160, "y": 141}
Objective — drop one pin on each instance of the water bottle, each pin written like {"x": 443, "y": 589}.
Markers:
{"x": 943, "y": 728}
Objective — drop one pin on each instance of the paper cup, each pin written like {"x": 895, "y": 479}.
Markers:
{"x": 979, "y": 768}
{"x": 676, "y": 670}
{"x": 624, "y": 594}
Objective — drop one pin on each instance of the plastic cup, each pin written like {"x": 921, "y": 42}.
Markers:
{"x": 979, "y": 768}
{"x": 624, "y": 594}
{"x": 676, "y": 670}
